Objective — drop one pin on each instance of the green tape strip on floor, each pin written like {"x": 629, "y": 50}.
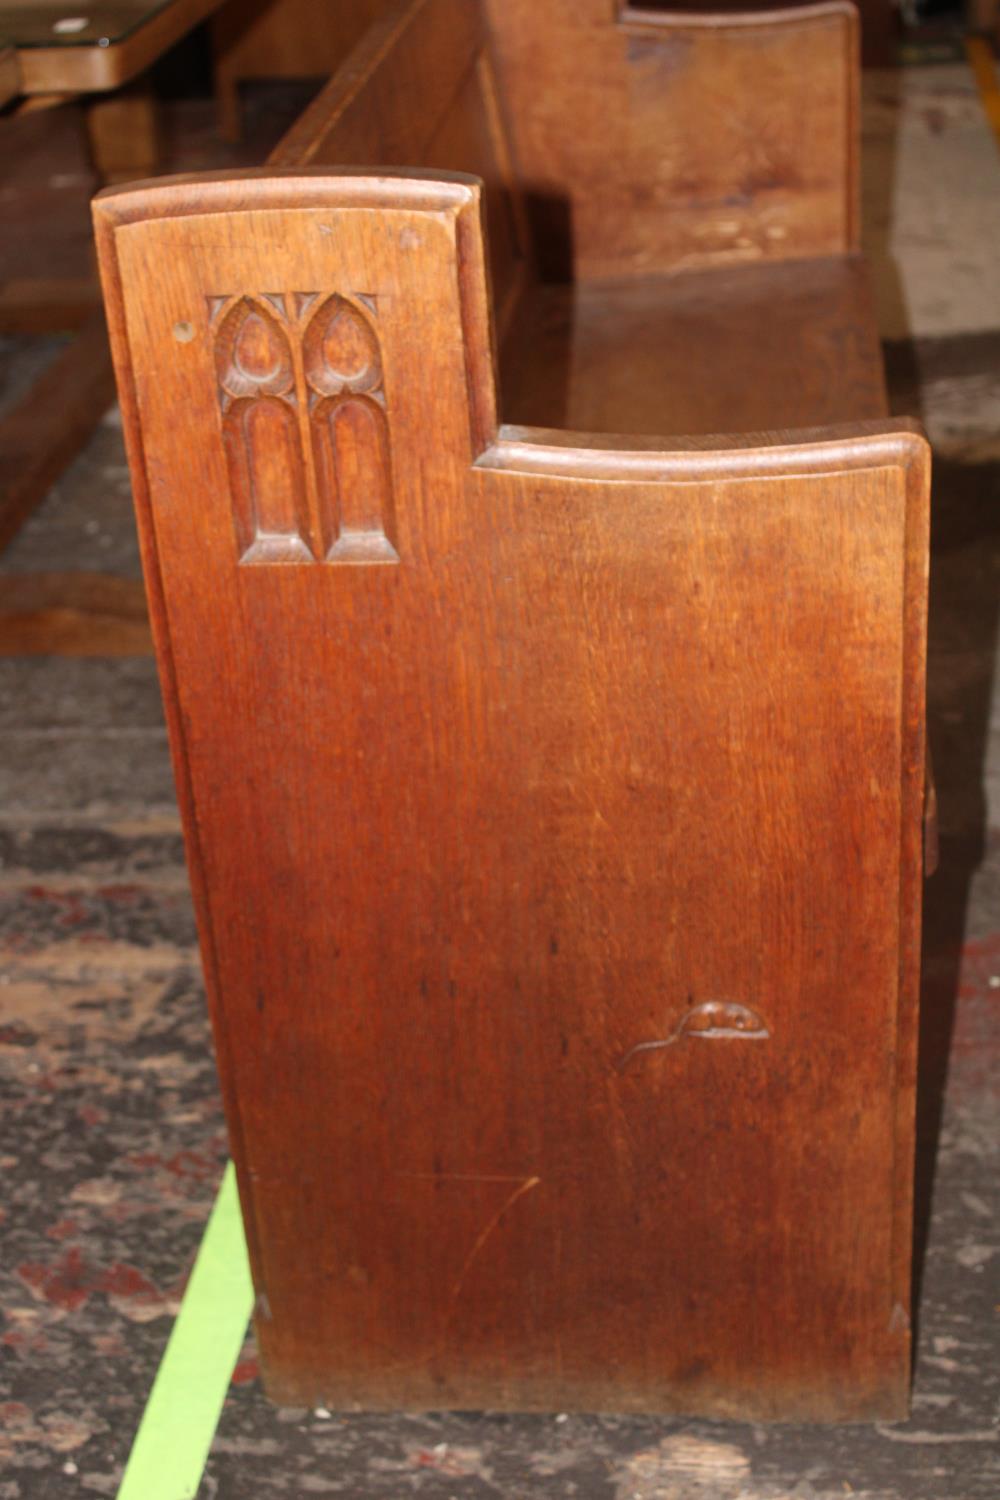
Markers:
{"x": 182, "y": 1413}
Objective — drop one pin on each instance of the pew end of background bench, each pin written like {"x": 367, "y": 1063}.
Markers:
{"x": 613, "y": 143}
{"x": 658, "y": 140}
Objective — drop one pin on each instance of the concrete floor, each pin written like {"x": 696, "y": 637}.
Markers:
{"x": 113, "y": 1141}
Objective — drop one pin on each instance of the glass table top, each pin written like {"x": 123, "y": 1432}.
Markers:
{"x": 54, "y": 23}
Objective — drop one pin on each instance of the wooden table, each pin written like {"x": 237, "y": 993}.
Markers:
{"x": 51, "y": 52}
{"x": 61, "y": 48}
{"x": 56, "y": 51}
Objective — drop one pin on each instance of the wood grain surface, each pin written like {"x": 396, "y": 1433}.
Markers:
{"x": 553, "y": 809}
{"x": 420, "y": 91}
{"x": 738, "y": 348}
{"x": 648, "y": 141}
{"x": 73, "y": 614}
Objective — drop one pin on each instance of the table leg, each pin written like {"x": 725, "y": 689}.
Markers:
{"x": 123, "y": 131}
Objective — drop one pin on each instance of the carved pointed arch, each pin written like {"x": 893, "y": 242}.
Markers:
{"x": 305, "y": 426}
{"x": 341, "y": 350}
{"x": 256, "y": 373}
{"x": 253, "y": 355}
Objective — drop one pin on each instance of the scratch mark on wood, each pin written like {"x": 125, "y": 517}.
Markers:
{"x": 712, "y": 1020}
{"x": 465, "y": 1177}
{"x": 523, "y": 1187}
{"x": 899, "y": 1322}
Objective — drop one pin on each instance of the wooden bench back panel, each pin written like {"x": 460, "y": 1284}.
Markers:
{"x": 649, "y": 142}
{"x": 554, "y": 824}
{"x": 419, "y": 92}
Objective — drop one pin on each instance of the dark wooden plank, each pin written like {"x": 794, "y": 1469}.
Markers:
{"x": 48, "y": 426}
{"x": 35, "y": 306}
{"x": 73, "y": 614}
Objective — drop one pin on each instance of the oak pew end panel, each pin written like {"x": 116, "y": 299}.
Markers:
{"x": 734, "y": 138}
{"x": 552, "y": 805}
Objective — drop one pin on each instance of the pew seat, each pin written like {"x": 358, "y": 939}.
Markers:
{"x": 736, "y": 349}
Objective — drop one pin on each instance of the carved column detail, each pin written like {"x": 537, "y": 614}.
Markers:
{"x": 304, "y": 426}
{"x": 350, "y": 436}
